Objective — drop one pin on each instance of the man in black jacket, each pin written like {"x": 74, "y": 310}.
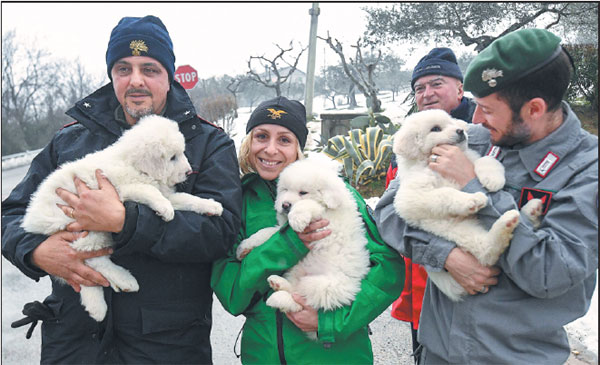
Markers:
{"x": 169, "y": 319}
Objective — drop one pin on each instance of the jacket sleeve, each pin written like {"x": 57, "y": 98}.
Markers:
{"x": 563, "y": 251}
{"x": 421, "y": 247}
{"x": 382, "y": 285}
{"x": 238, "y": 285}
{"x": 191, "y": 237}
{"x": 16, "y": 243}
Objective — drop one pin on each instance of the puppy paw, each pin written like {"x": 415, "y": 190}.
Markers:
{"x": 125, "y": 283}
{"x": 244, "y": 249}
{"x": 211, "y": 207}
{"x": 283, "y": 301}
{"x": 277, "y": 283}
{"x": 165, "y": 211}
{"x": 492, "y": 182}
{"x": 477, "y": 201}
{"x": 510, "y": 220}
{"x": 490, "y": 173}
{"x": 533, "y": 211}
{"x": 299, "y": 220}
{"x": 92, "y": 299}
{"x": 254, "y": 241}
{"x": 97, "y": 310}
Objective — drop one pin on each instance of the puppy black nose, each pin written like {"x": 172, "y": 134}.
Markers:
{"x": 461, "y": 135}
{"x": 286, "y": 207}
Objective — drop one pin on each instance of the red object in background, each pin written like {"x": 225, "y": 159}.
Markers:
{"x": 187, "y": 76}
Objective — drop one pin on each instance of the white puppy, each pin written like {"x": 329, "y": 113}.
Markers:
{"x": 144, "y": 165}
{"x": 437, "y": 205}
{"x": 329, "y": 275}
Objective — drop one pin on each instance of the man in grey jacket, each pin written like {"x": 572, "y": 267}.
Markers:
{"x": 546, "y": 278}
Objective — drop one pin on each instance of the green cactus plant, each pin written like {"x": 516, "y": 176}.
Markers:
{"x": 364, "y": 154}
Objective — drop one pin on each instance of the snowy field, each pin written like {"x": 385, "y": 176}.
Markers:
{"x": 388, "y": 347}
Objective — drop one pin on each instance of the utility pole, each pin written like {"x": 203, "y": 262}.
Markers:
{"x": 310, "y": 68}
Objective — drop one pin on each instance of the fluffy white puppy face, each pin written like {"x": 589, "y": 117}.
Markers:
{"x": 157, "y": 149}
{"x": 308, "y": 179}
{"x": 422, "y": 131}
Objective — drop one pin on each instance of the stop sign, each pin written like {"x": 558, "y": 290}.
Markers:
{"x": 187, "y": 76}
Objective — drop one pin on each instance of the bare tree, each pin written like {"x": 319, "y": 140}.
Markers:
{"x": 36, "y": 91}
{"x": 360, "y": 70}
{"x": 26, "y": 76}
{"x": 334, "y": 82}
{"x": 222, "y": 110}
{"x": 234, "y": 87}
{"x": 274, "y": 75}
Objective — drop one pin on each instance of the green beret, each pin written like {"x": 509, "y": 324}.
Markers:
{"x": 509, "y": 58}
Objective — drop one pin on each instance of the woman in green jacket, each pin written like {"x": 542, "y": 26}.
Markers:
{"x": 277, "y": 133}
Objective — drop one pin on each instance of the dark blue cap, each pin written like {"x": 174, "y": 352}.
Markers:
{"x": 439, "y": 61}
{"x": 145, "y": 36}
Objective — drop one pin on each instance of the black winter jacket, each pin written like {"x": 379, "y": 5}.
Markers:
{"x": 169, "y": 319}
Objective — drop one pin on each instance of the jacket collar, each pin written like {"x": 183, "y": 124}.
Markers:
{"x": 464, "y": 110}
{"x": 96, "y": 111}
{"x": 552, "y": 148}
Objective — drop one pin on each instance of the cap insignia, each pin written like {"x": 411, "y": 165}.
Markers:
{"x": 490, "y": 76}
{"x": 276, "y": 114}
{"x": 137, "y": 47}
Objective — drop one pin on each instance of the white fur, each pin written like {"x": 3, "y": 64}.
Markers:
{"x": 144, "y": 165}
{"x": 437, "y": 205}
{"x": 329, "y": 275}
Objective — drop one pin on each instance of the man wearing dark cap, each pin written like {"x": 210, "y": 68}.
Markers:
{"x": 169, "y": 319}
{"x": 437, "y": 84}
{"x": 546, "y": 277}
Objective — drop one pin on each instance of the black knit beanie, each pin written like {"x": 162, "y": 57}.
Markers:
{"x": 284, "y": 112}
{"x": 145, "y": 36}
{"x": 439, "y": 61}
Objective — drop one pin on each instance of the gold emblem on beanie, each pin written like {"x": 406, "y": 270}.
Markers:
{"x": 276, "y": 114}
{"x": 137, "y": 47}
{"x": 490, "y": 76}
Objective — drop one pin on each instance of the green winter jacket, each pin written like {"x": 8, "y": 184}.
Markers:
{"x": 268, "y": 336}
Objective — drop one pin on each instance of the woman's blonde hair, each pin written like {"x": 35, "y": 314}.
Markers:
{"x": 246, "y": 166}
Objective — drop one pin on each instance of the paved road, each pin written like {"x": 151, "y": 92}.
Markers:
{"x": 391, "y": 338}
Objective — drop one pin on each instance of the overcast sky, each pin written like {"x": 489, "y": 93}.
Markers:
{"x": 214, "y": 38}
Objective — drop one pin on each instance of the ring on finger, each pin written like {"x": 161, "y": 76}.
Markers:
{"x": 484, "y": 289}
{"x": 434, "y": 158}
{"x": 71, "y": 213}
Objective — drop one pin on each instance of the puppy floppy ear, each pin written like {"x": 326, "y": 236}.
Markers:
{"x": 152, "y": 160}
{"x": 331, "y": 198}
{"x": 405, "y": 143}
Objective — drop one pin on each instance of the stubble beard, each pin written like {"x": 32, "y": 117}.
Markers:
{"x": 138, "y": 113}
{"x": 518, "y": 132}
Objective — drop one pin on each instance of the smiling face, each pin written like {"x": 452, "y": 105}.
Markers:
{"x": 438, "y": 92}
{"x": 272, "y": 148}
{"x": 506, "y": 128}
{"x": 141, "y": 85}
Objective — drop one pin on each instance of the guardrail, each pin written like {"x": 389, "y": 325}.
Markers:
{"x": 18, "y": 159}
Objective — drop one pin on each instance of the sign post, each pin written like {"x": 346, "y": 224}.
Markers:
{"x": 187, "y": 76}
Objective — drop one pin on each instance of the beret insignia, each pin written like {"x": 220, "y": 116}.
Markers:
{"x": 137, "y": 47}
{"x": 490, "y": 75}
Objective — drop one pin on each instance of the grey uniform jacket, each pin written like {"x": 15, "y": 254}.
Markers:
{"x": 548, "y": 275}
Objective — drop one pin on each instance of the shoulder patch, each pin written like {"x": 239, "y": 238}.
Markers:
{"x": 528, "y": 194}
{"x": 210, "y": 123}
{"x": 68, "y": 125}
